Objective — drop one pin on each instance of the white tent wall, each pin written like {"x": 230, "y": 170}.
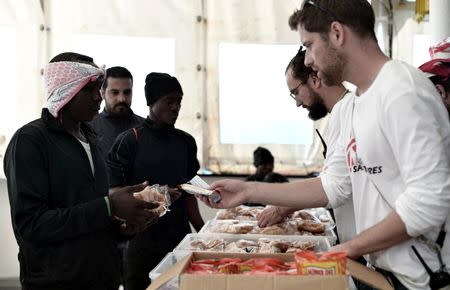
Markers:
{"x": 173, "y": 19}
{"x": 22, "y": 50}
{"x": 21, "y": 98}
{"x": 251, "y": 22}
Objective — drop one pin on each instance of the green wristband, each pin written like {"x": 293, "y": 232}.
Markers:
{"x": 108, "y": 205}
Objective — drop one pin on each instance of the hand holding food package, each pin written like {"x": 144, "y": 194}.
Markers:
{"x": 156, "y": 193}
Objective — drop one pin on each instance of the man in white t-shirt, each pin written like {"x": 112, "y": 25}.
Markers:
{"x": 394, "y": 150}
{"x": 308, "y": 92}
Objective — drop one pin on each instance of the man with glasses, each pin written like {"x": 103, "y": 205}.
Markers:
{"x": 308, "y": 91}
{"x": 395, "y": 168}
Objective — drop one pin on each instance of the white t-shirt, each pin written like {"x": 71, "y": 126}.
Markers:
{"x": 401, "y": 148}
{"x": 87, "y": 148}
{"x": 344, "y": 214}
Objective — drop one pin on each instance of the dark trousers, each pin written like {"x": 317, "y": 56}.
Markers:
{"x": 138, "y": 267}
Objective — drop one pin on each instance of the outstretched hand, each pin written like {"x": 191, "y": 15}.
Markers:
{"x": 232, "y": 192}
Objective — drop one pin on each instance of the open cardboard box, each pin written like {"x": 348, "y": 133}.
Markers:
{"x": 265, "y": 282}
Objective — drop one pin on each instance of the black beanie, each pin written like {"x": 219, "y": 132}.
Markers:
{"x": 262, "y": 156}
{"x": 158, "y": 85}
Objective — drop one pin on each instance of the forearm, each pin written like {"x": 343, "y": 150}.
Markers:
{"x": 307, "y": 193}
{"x": 193, "y": 212}
{"x": 387, "y": 233}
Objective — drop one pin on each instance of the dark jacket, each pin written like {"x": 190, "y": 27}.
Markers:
{"x": 66, "y": 238}
{"x": 160, "y": 155}
{"x": 109, "y": 127}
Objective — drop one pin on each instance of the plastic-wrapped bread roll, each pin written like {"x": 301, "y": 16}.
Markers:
{"x": 156, "y": 193}
{"x": 192, "y": 189}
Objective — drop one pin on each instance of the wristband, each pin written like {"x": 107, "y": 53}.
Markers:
{"x": 108, "y": 205}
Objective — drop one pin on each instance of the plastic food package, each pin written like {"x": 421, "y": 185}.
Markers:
{"x": 328, "y": 263}
{"x": 288, "y": 227}
{"x": 255, "y": 266}
{"x": 193, "y": 189}
{"x": 156, "y": 193}
{"x": 229, "y": 243}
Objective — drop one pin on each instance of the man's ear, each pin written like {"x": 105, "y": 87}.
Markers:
{"x": 102, "y": 93}
{"x": 444, "y": 94}
{"x": 317, "y": 83}
{"x": 337, "y": 33}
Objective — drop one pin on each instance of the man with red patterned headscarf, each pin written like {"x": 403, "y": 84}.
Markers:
{"x": 63, "y": 219}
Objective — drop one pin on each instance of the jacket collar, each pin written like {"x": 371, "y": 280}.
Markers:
{"x": 106, "y": 114}
{"x": 160, "y": 127}
{"x": 53, "y": 124}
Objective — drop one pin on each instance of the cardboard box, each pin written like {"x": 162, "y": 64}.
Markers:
{"x": 265, "y": 282}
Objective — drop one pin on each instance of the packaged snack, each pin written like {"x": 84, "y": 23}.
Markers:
{"x": 253, "y": 266}
{"x": 156, "y": 193}
{"x": 193, "y": 189}
{"x": 328, "y": 263}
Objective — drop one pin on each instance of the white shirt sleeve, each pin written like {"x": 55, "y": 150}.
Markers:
{"x": 335, "y": 176}
{"x": 416, "y": 125}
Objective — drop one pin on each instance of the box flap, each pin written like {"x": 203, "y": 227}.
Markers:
{"x": 368, "y": 276}
{"x": 262, "y": 282}
{"x": 175, "y": 270}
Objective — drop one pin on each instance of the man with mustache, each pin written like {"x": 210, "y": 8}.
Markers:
{"x": 158, "y": 152}
{"x": 117, "y": 116}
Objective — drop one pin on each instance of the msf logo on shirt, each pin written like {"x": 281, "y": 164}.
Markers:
{"x": 354, "y": 163}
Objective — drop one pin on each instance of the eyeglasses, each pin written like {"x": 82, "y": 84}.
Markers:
{"x": 294, "y": 91}
{"x": 323, "y": 9}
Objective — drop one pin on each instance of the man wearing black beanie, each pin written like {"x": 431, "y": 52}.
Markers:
{"x": 158, "y": 152}
{"x": 158, "y": 85}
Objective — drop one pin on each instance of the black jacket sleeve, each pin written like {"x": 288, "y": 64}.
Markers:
{"x": 34, "y": 218}
{"x": 193, "y": 162}
{"x": 121, "y": 158}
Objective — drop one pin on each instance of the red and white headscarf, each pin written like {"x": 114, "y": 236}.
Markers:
{"x": 64, "y": 79}
{"x": 440, "y": 59}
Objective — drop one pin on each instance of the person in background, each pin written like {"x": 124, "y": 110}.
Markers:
{"x": 309, "y": 92}
{"x": 264, "y": 162}
{"x": 158, "y": 152}
{"x": 395, "y": 168}
{"x": 274, "y": 177}
{"x": 438, "y": 70}
{"x": 117, "y": 116}
{"x": 63, "y": 219}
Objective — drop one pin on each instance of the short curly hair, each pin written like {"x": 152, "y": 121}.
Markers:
{"x": 299, "y": 70}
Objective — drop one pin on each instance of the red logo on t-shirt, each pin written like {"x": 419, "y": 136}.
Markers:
{"x": 351, "y": 152}
{"x": 355, "y": 164}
